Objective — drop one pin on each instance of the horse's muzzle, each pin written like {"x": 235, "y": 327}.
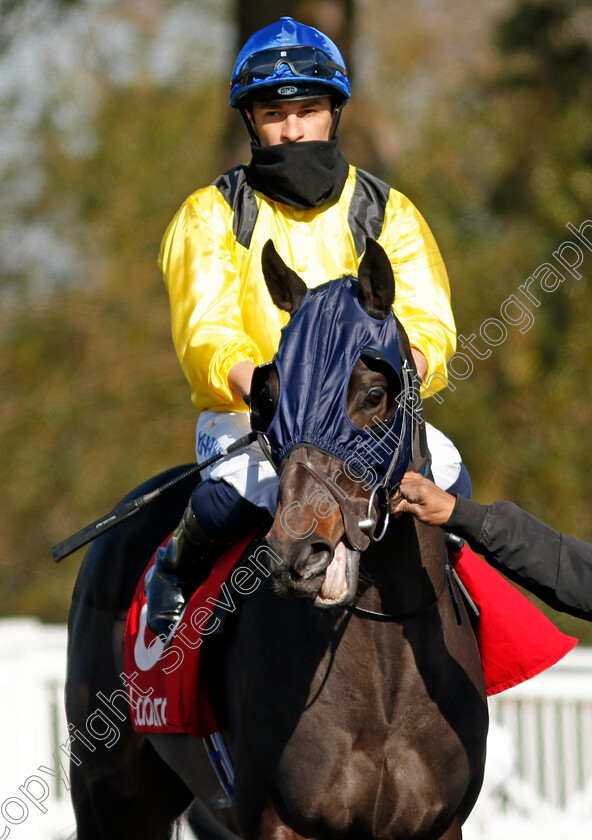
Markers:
{"x": 314, "y": 569}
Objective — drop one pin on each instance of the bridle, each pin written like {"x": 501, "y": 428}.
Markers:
{"x": 350, "y": 508}
{"x": 355, "y": 528}
{"x": 374, "y": 615}
{"x": 369, "y": 525}
{"x": 375, "y": 460}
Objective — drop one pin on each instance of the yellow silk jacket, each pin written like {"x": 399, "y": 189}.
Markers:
{"x": 221, "y": 310}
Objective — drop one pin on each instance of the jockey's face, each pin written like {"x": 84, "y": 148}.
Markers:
{"x": 292, "y": 121}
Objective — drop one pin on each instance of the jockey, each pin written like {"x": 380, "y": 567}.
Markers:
{"x": 290, "y": 85}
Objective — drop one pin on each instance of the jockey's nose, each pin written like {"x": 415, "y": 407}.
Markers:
{"x": 292, "y": 129}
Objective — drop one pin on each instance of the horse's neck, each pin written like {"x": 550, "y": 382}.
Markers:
{"x": 406, "y": 571}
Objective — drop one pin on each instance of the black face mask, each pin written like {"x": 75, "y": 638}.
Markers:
{"x": 303, "y": 175}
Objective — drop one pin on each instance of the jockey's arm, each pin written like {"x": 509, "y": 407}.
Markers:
{"x": 422, "y": 297}
{"x": 199, "y": 269}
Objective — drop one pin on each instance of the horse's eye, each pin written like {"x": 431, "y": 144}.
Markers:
{"x": 374, "y": 397}
{"x": 372, "y": 390}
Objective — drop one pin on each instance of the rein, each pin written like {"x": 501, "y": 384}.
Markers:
{"x": 380, "y": 616}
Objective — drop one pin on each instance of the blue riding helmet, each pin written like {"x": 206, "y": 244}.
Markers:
{"x": 316, "y": 356}
{"x": 288, "y": 60}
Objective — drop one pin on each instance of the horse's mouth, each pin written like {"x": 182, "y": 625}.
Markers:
{"x": 341, "y": 578}
{"x": 328, "y": 575}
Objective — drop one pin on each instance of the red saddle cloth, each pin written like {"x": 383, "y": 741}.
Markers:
{"x": 167, "y": 691}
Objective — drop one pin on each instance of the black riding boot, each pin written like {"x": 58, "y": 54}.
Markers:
{"x": 177, "y": 572}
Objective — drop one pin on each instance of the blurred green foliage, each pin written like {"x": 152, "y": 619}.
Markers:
{"x": 504, "y": 163}
{"x": 497, "y": 156}
{"x": 94, "y": 400}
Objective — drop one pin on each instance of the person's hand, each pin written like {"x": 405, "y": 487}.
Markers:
{"x": 239, "y": 378}
{"x": 422, "y": 498}
{"x": 421, "y": 363}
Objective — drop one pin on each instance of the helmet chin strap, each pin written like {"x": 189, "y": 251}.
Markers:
{"x": 243, "y": 111}
{"x": 335, "y": 120}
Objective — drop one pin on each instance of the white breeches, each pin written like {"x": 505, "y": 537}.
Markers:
{"x": 254, "y": 478}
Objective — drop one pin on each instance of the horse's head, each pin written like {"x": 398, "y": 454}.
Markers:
{"x": 334, "y": 412}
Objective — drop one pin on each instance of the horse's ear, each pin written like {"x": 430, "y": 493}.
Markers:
{"x": 377, "y": 283}
{"x": 286, "y": 288}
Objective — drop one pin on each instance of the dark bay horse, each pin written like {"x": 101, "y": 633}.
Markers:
{"x": 354, "y": 706}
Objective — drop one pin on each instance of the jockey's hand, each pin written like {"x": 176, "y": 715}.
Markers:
{"x": 422, "y": 498}
{"x": 240, "y": 376}
{"x": 421, "y": 363}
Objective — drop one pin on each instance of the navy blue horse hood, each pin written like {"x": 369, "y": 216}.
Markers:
{"x": 319, "y": 348}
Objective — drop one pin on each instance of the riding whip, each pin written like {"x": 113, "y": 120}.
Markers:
{"x": 127, "y": 509}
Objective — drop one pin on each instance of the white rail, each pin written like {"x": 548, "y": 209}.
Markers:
{"x": 538, "y": 778}
{"x": 34, "y": 804}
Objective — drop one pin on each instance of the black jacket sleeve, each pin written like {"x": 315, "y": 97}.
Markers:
{"x": 553, "y": 566}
